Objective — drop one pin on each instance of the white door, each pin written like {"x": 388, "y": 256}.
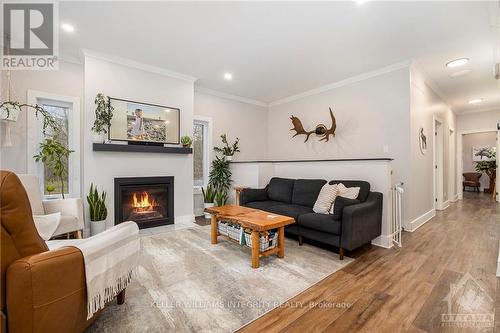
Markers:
{"x": 438, "y": 164}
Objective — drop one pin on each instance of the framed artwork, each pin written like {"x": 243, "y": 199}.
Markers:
{"x": 483, "y": 153}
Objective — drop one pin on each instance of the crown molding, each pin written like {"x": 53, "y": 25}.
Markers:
{"x": 230, "y": 96}
{"x": 345, "y": 82}
{"x": 137, "y": 65}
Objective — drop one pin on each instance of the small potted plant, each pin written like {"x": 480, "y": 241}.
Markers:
{"x": 228, "y": 150}
{"x": 220, "y": 198}
{"x": 186, "y": 141}
{"x": 98, "y": 210}
{"x": 103, "y": 116}
{"x": 208, "y": 199}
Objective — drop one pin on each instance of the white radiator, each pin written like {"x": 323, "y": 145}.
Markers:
{"x": 397, "y": 227}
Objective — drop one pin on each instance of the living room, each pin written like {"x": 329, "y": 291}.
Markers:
{"x": 339, "y": 156}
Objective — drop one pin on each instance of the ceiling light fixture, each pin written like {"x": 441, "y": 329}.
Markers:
{"x": 457, "y": 62}
{"x": 67, "y": 27}
{"x": 228, "y": 76}
{"x": 475, "y": 101}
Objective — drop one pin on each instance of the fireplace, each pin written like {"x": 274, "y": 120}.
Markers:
{"x": 148, "y": 201}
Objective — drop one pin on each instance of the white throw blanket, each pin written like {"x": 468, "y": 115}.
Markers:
{"x": 111, "y": 259}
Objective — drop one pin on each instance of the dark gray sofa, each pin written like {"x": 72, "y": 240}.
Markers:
{"x": 352, "y": 224}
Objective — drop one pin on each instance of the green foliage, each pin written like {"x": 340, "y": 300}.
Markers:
{"x": 220, "y": 198}
{"x": 226, "y": 149}
{"x": 488, "y": 167}
{"x": 103, "y": 114}
{"x": 54, "y": 155}
{"x": 49, "y": 122}
{"x": 219, "y": 177}
{"x": 97, "y": 204}
{"x": 186, "y": 141}
{"x": 208, "y": 194}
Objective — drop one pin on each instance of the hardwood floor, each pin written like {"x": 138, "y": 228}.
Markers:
{"x": 446, "y": 267}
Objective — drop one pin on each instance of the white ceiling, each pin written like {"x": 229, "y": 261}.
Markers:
{"x": 279, "y": 49}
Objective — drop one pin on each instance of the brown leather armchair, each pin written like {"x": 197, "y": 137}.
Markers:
{"x": 471, "y": 179}
{"x": 41, "y": 290}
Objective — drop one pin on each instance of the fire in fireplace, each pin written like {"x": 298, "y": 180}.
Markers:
{"x": 148, "y": 201}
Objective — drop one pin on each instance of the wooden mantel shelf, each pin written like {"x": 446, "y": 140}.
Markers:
{"x": 140, "y": 148}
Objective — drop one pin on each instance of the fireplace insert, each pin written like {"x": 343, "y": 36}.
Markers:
{"x": 148, "y": 201}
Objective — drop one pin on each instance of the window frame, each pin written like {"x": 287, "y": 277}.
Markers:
{"x": 207, "y": 153}
{"x": 35, "y": 136}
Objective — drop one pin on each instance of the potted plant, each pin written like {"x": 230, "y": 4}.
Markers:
{"x": 55, "y": 156}
{"x": 103, "y": 116}
{"x": 220, "y": 175}
{"x": 220, "y": 198}
{"x": 228, "y": 150}
{"x": 208, "y": 199}
{"x": 98, "y": 211}
{"x": 489, "y": 168}
{"x": 186, "y": 141}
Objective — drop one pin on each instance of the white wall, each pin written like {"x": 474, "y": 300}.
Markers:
{"x": 67, "y": 80}
{"x": 237, "y": 119}
{"x": 477, "y": 140}
{"x": 478, "y": 121}
{"x": 125, "y": 82}
{"x": 370, "y": 114}
{"x": 425, "y": 106}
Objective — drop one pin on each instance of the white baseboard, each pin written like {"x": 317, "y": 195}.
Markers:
{"x": 444, "y": 205}
{"x": 455, "y": 198}
{"x": 419, "y": 221}
{"x": 384, "y": 241}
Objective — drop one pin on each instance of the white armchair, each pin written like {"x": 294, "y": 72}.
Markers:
{"x": 71, "y": 209}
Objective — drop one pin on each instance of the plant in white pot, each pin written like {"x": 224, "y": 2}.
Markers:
{"x": 98, "y": 210}
{"x": 228, "y": 150}
{"x": 208, "y": 199}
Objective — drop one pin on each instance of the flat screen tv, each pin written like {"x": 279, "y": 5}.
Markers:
{"x": 143, "y": 122}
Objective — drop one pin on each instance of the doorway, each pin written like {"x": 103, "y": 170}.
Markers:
{"x": 438, "y": 164}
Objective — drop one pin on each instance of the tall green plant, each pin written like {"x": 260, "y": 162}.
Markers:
{"x": 103, "y": 114}
{"x": 489, "y": 167}
{"x": 55, "y": 156}
{"x": 220, "y": 175}
{"x": 97, "y": 204}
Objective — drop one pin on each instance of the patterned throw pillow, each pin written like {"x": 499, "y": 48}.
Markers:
{"x": 325, "y": 199}
{"x": 346, "y": 192}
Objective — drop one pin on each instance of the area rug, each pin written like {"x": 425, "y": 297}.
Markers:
{"x": 185, "y": 284}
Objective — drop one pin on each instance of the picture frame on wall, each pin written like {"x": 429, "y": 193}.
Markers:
{"x": 144, "y": 123}
{"x": 483, "y": 153}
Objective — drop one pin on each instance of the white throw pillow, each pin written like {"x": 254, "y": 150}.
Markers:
{"x": 325, "y": 199}
{"x": 346, "y": 192}
{"x": 46, "y": 225}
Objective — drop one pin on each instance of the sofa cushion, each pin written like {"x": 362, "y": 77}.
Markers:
{"x": 325, "y": 198}
{"x": 364, "y": 187}
{"x": 263, "y": 205}
{"x": 306, "y": 191}
{"x": 290, "y": 210}
{"x": 320, "y": 222}
{"x": 280, "y": 189}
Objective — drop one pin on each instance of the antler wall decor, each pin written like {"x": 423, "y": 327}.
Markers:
{"x": 320, "y": 130}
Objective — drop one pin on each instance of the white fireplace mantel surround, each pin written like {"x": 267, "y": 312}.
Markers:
{"x": 378, "y": 172}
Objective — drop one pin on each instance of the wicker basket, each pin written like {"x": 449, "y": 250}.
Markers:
{"x": 234, "y": 231}
{"x": 267, "y": 240}
{"x": 222, "y": 227}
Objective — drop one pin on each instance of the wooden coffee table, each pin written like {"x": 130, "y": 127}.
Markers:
{"x": 256, "y": 220}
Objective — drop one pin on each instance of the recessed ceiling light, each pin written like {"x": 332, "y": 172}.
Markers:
{"x": 475, "y": 101}
{"x": 457, "y": 62}
{"x": 228, "y": 76}
{"x": 460, "y": 73}
{"x": 67, "y": 27}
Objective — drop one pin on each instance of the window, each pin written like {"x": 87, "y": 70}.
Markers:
{"x": 200, "y": 152}
{"x": 66, "y": 111}
{"x": 51, "y": 183}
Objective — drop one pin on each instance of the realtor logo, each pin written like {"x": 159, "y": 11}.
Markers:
{"x": 30, "y": 39}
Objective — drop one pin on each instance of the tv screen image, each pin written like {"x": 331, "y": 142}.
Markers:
{"x": 142, "y": 122}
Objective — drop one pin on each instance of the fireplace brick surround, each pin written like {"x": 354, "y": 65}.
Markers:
{"x": 148, "y": 201}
